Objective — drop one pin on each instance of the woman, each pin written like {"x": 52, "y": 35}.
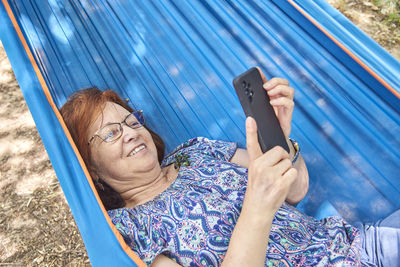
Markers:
{"x": 207, "y": 203}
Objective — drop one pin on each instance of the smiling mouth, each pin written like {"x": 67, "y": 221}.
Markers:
{"x": 137, "y": 150}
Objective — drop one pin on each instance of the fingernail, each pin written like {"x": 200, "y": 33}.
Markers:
{"x": 250, "y": 122}
{"x": 267, "y": 85}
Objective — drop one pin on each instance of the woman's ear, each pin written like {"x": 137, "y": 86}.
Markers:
{"x": 93, "y": 172}
{"x": 95, "y": 178}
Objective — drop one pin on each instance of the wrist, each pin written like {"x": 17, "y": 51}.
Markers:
{"x": 251, "y": 215}
{"x": 256, "y": 222}
{"x": 296, "y": 150}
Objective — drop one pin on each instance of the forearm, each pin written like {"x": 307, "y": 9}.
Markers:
{"x": 249, "y": 242}
{"x": 299, "y": 188}
{"x": 270, "y": 176}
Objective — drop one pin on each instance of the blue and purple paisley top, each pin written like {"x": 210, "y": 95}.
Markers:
{"x": 192, "y": 221}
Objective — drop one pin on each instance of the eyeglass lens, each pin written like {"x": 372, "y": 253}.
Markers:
{"x": 112, "y": 132}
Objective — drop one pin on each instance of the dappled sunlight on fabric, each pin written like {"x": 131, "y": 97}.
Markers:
{"x": 35, "y": 35}
{"x": 321, "y": 103}
{"x": 252, "y": 62}
{"x": 277, "y": 60}
{"x": 351, "y": 160}
{"x": 61, "y": 28}
{"x": 173, "y": 71}
{"x": 140, "y": 98}
{"x": 89, "y": 7}
{"x": 224, "y": 34}
{"x": 259, "y": 54}
{"x": 238, "y": 112}
{"x": 215, "y": 130}
{"x": 140, "y": 51}
{"x": 187, "y": 91}
{"x": 140, "y": 28}
{"x": 54, "y": 4}
{"x": 327, "y": 128}
{"x": 223, "y": 122}
{"x": 380, "y": 206}
{"x": 268, "y": 66}
{"x": 212, "y": 80}
{"x": 347, "y": 210}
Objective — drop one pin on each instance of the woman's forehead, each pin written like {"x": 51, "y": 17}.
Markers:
{"x": 112, "y": 112}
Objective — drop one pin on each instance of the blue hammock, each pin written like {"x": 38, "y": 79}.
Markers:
{"x": 176, "y": 60}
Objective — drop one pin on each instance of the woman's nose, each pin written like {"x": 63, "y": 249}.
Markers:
{"x": 129, "y": 134}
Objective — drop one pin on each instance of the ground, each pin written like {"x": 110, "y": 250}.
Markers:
{"x": 36, "y": 225}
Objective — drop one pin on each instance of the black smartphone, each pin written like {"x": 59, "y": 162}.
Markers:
{"x": 255, "y": 103}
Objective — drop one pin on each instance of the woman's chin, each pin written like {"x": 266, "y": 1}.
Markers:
{"x": 147, "y": 163}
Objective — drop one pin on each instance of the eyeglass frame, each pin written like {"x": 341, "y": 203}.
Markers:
{"x": 137, "y": 125}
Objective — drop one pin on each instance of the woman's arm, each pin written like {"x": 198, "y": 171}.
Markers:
{"x": 270, "y": 177}
{"x": 299, "y": 188}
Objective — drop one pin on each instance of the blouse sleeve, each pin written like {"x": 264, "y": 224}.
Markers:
{"x": 221, "y": 150}
{"x": 139, "y": 233}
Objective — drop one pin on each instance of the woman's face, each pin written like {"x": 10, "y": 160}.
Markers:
{"x": 130, "y": 159}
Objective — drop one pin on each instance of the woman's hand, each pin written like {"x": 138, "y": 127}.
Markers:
{"x": 281, "y": 96}
{"x": 270, "y": 176}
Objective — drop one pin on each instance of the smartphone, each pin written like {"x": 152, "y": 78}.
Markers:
{"x": 255, "y": 103}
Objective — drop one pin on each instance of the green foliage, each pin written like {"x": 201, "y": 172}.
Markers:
{"x": 390, "y": 9}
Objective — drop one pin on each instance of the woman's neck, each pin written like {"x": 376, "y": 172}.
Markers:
{"x": 145, "y": 193}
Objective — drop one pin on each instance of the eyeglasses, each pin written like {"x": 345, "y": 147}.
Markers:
{"x": 113, "y": 131}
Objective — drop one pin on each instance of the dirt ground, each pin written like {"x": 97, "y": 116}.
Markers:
{"x": 36, "y": 225}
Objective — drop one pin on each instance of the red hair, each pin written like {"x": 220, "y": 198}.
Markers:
{"x": 79, "y": 112}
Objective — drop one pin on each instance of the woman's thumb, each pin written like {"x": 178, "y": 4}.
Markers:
{"x": 253, "y": 147}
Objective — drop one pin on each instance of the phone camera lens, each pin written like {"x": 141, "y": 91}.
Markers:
{"x": 244, "y": 84}
{"x": 250, "y": 99}
{"x": 247, "y": 92}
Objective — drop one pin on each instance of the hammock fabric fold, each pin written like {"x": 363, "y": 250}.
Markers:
{"x": 176, "y": 61}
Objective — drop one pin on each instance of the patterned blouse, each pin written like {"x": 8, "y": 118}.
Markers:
{"x": 192, "y": 221}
